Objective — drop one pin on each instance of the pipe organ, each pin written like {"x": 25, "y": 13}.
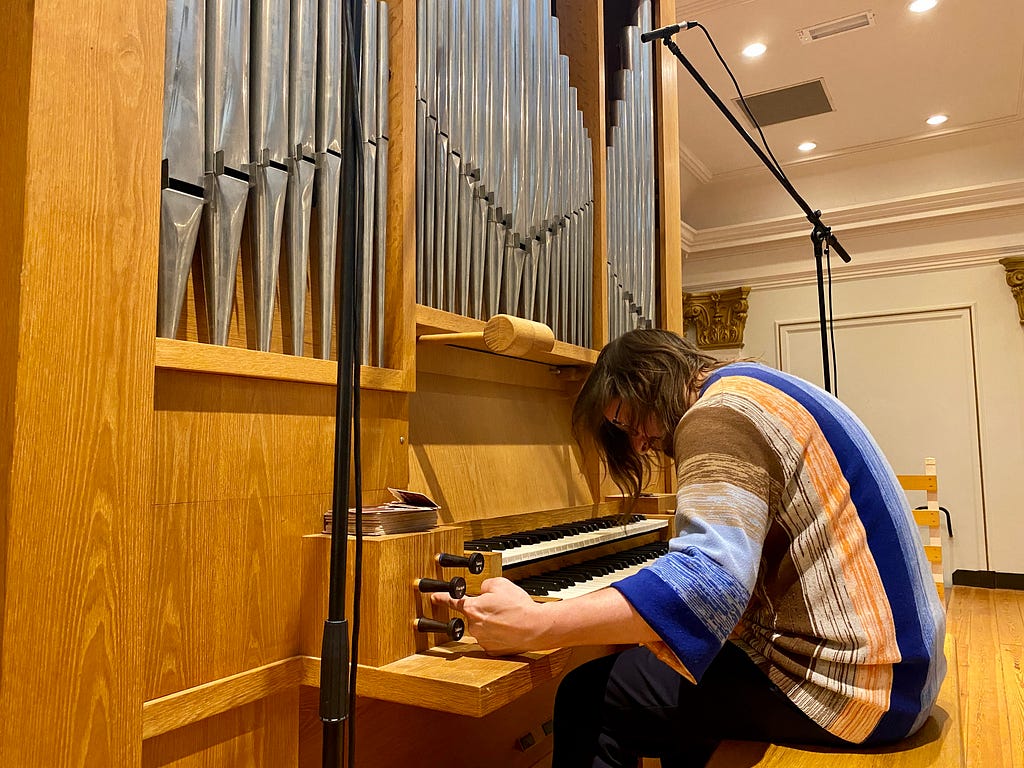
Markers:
{"x": 252, "y": 161}
{"x": 504, "y": 183}
{"x": 504, "y": 167}
{"x": 631, "y": 257}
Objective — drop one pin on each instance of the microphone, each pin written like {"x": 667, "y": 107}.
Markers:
{"x": 663, "y": 33}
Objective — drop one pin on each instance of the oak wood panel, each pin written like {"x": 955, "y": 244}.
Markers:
{"x": 15, "y": 80}
{"x": 486, "y": 449}
{"x": 400, "y": 268}
{"x": 212, "y": 358}
{"x": 194, "y": 704}
{"x": 79, "y": 209}
{"x": 498, "y": 526}
{"x": 263, "y": 734}
{"x": 390, "y": 735}
{"x": 660, "y": 504}
{"x": 224, "y": 588}
{"x": 457, "y": 677}
{"x": 581, "y": 37}
{"x": 223, "y": 437}
{"x": 666, "y": 126}
{"x": 389, "y": 600}
{"x": 470, "y": 365}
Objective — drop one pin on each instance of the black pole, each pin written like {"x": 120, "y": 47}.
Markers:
{"x": 820, "y": 233}
{"x": 817, "y": 237}
{"x": 334, "y": 655}
{"x": 813, "y": 216}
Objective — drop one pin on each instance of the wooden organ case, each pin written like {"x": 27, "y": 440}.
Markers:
{"x": 201, "y": 574}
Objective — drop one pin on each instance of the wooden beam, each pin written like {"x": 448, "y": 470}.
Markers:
{"x": 400, "y": 330}
{"x": 581, "y": 37}
{"x": 80, "y": 214}
{"x": 670, "y": 247}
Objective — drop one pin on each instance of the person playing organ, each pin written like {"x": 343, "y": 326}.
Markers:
{"x": 793, "y": 605}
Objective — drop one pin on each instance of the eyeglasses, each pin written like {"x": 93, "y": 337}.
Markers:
{"x": 632, "y": 431}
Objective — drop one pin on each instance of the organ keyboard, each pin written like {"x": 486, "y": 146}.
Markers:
{"x": 592, "y": 575}
{"x": 539, "y": 543}
{"x": 544, "y": 551}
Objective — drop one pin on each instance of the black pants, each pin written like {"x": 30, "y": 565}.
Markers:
{"x": 616, "y": 709}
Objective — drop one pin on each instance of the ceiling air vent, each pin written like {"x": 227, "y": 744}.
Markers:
{"x": 790, "y": 103}
{"x": 837, "y": 27}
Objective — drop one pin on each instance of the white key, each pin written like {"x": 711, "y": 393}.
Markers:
{"x": 599, "y": 582}
{"x": 528, "y": 552}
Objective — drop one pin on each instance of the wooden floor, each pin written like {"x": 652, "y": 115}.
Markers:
{"x": 988, "y": 625}
{"x": 987, "y": 628}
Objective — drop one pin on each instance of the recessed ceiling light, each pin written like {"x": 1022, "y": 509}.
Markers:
{"x": 807, "y": 146}
{"x": 920, "y": 6}
{"x": 937, "y": 119}
{"x": 754, "y": 50}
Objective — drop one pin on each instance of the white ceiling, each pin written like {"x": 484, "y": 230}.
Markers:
{"x": 964, "y": 58}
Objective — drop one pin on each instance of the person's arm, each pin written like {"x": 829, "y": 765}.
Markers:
{"x": 504, "y": 619}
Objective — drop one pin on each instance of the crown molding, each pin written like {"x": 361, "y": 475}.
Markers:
{"x": 687, "y": 236}
{"x": 864, "y": 270}
{"x": 907, "y": 213}
{"x": 693, "y": 164}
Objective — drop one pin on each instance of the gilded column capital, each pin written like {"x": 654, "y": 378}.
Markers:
{"x": 718, "y": 317}
{"x": 1014, "y": 266}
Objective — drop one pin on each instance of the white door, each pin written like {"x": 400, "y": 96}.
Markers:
{"x": 910, "y": 377}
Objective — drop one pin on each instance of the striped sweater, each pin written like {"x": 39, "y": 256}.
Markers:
{"x": 796, "y": 543}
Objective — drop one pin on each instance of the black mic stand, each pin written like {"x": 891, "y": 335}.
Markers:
{"x": 821, "y": 235}
{"x": 334, "y": 655}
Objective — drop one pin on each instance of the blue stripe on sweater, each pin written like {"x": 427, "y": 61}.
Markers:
{"x": 693, "y": 608}
{"x": 848, "y": 441}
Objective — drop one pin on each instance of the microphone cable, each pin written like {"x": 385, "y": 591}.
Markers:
{"x": 831, "y": 319}
{"x": 778, "y": 167}
{"x": 743, "y": 101}
{"x": 356, "y": 61}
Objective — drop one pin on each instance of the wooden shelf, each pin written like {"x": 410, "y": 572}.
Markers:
{"x": 232, "y": 361}
{"x": 431, "y": 321}
{"x": 457, "y": 677}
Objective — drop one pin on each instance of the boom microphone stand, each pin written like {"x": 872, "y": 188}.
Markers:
{"x": 821, "y": 236}
{"x": 335, "y": 672}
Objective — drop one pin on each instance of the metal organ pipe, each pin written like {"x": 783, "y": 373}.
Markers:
{"x": 258, "y": 130}
{"x": 504, "y": 169}
{"x": 631, "y": 213}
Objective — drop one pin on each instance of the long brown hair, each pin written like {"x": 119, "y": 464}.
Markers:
{"x": 652, "y": 371}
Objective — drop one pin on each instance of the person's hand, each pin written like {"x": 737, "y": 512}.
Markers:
{"x": 503, "y": 619}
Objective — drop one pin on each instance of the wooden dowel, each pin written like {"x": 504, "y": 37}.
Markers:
{"x": 452, "y": 338}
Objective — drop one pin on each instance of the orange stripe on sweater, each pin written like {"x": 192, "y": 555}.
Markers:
{"x": 864, "y": 593}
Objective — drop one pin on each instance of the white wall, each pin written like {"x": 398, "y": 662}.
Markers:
{"x": 999, "y": 349}
{"x": 937, "y": 246}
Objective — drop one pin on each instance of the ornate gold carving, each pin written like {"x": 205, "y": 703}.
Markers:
{"x": 718, "y": 316}
{"x": 1015, "y": 279}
